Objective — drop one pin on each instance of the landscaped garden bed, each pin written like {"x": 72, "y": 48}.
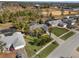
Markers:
{"x": 58, "y": 31}
{"x": 66, "y": 36}
{"x": 47, "y": 50}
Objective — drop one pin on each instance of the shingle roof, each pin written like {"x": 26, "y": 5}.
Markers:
{"x": 16, "y": 39}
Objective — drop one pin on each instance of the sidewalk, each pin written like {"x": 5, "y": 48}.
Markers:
{"x": 64, "y": 34}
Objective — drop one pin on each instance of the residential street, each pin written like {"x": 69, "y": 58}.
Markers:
{"x": 65, "y": 50}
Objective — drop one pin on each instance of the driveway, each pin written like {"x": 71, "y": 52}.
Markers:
{"x": 57, "y": 39}
{"x": 65, "y": 49}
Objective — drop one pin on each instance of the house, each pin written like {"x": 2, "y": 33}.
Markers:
{"x": 67, "y": 17}
{"x": 61, "y": 24}
{"x": 72, "y": 17}
{"x": 54, "y": 22}
{"x": 36, "y": 5}
{"x": 70, "y": 22}
{"x": 43, "y": 26}
{"x": 76, "y": 9}
{"x": 16, "y": 40}
{"x": 58, "y": 23}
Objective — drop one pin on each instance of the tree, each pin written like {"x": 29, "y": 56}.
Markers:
{"x": 21, "y": 25}
{"x": 32, "y": 40}
{"x": 2, "y": 45}
{"x": 1, "y": 19}
{"x": 37, "y": 32}
{"x": 5, "y": 16}
{"x": 40, "y": 21}
{"x": 62, "y": 10}
{"x": 44, "y": 39}
{"x": 70, "y": 10}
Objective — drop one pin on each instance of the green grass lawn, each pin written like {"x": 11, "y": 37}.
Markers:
{"x": 59, "y": 31}
{"x": 66, "y": 36}
{"x": 47, "y": 50}
{"x": 32, "y": 49}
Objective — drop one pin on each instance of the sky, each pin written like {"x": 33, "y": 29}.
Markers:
{"x": 46, "y": 0}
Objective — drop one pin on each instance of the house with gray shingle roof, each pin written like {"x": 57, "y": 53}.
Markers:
{"x": 17, "y": 40}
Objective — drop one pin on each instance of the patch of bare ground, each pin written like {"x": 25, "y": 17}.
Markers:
{"x": 5, "y": 26}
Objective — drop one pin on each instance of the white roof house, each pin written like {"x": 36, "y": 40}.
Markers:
{"x": 37, "y": 5}
{"x": 16, "y": 39}
{"x": 55, "y": 22}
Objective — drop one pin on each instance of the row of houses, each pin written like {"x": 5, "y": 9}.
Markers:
{"x": 66, "y": 22}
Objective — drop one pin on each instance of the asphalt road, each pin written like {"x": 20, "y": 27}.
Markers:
{"x": 65, "y": 50}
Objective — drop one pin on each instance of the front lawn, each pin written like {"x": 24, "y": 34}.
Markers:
{"x": 31, "y": 49}
{"x": 59, "y": 31}
{"x": 47, "y": 50}
{"x": 66, "y": 36}
{"x": 35, "y": 43}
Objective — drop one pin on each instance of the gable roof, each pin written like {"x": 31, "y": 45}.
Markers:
{"x": 16, "y": 39}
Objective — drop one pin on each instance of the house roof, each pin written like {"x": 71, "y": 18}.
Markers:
{"x": 37, "y": 5}
{"x": 8, "y": 55}
{"x": 8, "y": 32}
{"x": 55, "y": 22}
{"x": 16, "y": 39}
{"x": 38, "y": 26}
{"x": 62, "y": 23}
